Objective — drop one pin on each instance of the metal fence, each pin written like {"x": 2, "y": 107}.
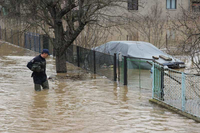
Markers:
{"x": 93, "y": 61}
{"x": 139, "y": 74}
{"x": 90, "y": 60}
{"x": 172, "y": 87}
{"x": 32, "y": 41}
{"x": 135, "y": 72}
{"x": 12, "y": 36}
{"x": 28, "y": 40}
{"x": 130, "y": 71}
{"x": 177, "y": 89}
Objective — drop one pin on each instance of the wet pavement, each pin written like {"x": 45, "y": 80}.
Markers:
{"x": 77, "y": 102}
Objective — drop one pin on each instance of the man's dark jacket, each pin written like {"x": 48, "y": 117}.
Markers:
{"x": 38, "y": 77}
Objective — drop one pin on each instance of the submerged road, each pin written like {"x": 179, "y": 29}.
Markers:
{"x": 77, "y": 102}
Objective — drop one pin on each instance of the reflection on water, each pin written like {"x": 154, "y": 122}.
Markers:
{"x": 39, "y": 105}
{"x": 78, "y": 102}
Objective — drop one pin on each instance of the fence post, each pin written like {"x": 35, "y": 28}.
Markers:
{"x": 139, "y": 74}
{"x": 18, "y": 37}
{"x": 162, "y": 83}
{"x": 30, "y": 41}
{"x": 34, "y": 40}
{"x": 45, "y": 41}
{"x": 115, "y": 67}
{"x": 0, "y": 32}
{"x": 39, "y": 44}
{"x": 5, "y": 34}
{"x": 94, "y": 55}
{"x": 153, "y": 81}
{"x": 24, "y": 40}
{"x": 125, "y": 71}
{"x": 183, "y": 91}
{"x": 78, "y": 59}
{"x": 12, "y": 35}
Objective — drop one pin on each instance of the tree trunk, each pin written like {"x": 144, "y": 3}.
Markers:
{"x": 61, "y": 63}
{"x": 60, "y": 57}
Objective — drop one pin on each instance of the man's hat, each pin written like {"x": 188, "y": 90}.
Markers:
{"x": 45, "y": 51}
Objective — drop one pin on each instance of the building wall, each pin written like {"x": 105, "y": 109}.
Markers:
{"x": 145, "y": 7}
{"x": 167, "y": 36}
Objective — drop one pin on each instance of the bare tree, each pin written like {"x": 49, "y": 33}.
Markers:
{"x": 67, "y": 18}
{"x": 151, "y": 25}
{"x": 92, "y": 36}
{"x": 188, "y": 28}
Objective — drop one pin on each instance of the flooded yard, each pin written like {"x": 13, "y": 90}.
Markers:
{"x": 77, "y": 102}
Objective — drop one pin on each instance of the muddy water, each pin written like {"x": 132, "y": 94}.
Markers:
{"x": 78, "y": 102}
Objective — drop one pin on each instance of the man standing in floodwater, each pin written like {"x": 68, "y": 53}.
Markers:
{"x": 38, "y": 66}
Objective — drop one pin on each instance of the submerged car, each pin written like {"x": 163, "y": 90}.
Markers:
{"x": 140, "y": 50}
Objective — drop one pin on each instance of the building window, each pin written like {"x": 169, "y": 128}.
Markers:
{"x": 171, "y": 4}
{"x": 196, "y": 6}
{"x": 132, "y": 4}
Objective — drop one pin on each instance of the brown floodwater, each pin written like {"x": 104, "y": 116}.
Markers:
{"x": 77, "y": 102}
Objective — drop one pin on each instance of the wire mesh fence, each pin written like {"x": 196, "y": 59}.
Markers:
{"x": 104, "y": 65}
{"x": 86, "y": 59}
{"x": 177, "y": 89}
{"x": 172, "y": 87}
{"x": 71, "y": 55}
{"x": 3, "y": 34}
{"x": 192, "y": 94}
{"x": 138, "y": 72}
{"x": 32, "y": 41}
{"x": 11, "y": 36}
{"x": 90, "y": 60}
